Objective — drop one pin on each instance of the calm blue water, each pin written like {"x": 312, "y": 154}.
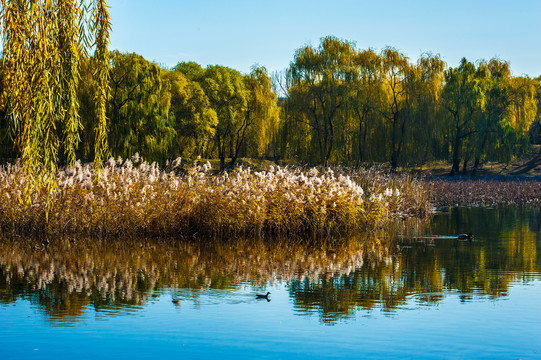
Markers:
{"x": 424, "y": 295}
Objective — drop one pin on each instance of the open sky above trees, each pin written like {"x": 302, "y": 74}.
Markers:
{"x": 240, "y": 33}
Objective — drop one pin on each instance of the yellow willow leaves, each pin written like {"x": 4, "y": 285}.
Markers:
{"x": 102, "y": 26}
{"x": 42, "y": 43}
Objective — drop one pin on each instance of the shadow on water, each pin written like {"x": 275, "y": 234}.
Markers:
{"x": 333, "y": 279}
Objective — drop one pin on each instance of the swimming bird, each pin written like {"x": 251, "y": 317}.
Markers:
{"x": 465, "y": 236}
{"x": 261, "y": 296}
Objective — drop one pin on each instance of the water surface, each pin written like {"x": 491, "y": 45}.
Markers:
{"x": 420, "y": 294}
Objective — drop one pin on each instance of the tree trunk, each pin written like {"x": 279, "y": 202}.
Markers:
{"x": 221, "y": 153}
{"x": 394, "y": 149}
{"x": 456, "y": 153}
{"x": 362, "y": 140}
{"x": 475, "y": 166}
{"x": 478, "y": 155}
{"x": 394, "y": 161}
{"x": 456, "y": 164}
{"x": 400, "y": 141}
{"x": 362, "y": 133}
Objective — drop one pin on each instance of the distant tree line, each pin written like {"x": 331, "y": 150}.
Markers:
{"x": 337, "y": 104}
{"x": 349, "y": 105}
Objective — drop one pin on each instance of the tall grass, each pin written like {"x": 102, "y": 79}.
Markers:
{"x": 134, "y": 197}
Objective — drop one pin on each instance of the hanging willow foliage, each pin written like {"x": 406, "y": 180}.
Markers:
{"x": 42, "y": 43}
{"x": 101, "y": 26}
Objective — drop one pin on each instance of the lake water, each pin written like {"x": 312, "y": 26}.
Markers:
{"x": 420, "y": 294}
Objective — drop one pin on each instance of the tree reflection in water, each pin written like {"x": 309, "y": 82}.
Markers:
{"x": 332, "y": 278}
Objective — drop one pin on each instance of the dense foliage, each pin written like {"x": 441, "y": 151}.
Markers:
{"x": 338, "y": 105}
{"x": 349, "y": 105}
{"x": 188, "y": 111}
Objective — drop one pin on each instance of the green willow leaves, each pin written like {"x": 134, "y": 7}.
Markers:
{"x": 345, "y": 105}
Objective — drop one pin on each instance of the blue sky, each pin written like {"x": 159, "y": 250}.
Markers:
{"x": 240, "y": 33}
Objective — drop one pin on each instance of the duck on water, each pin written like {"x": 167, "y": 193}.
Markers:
{"x": 465, "y": 236}
{"x": 261, "y": 296}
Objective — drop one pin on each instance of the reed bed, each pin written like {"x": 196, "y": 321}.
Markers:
{"x": 486, "y": 192}
{"x": 134, "y": 197}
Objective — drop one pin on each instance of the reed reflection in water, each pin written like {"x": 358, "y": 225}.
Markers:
{"x": 333, "y": 279}
{"x": 68, "y": 276}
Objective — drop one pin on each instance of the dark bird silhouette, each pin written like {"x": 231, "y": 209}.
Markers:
{"x": 261, "y": 296}
{"x": 465, "y": 236}
{"x": 176, "y": 301}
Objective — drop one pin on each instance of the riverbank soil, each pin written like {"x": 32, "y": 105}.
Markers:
{"x": 528, "y": 165}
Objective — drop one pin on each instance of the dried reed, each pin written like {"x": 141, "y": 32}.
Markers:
{"x": 134, "y": 197}
{"x": 486, "y": 192}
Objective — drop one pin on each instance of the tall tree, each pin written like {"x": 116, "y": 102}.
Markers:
{"x": 194, "y": 120}
{"x": 101, "y": 25}
{"x": 521, "y": 113}
{"x": 398, "y": 75}
{"x": 319, "y": 78}
{"x": 261, "y": 115}
{"x": 494, "y": 77}
{"x": 138, "y": 108}
{"x": 365, "y": 92}
{"x": 227, "y": 95}
{"x": 424, "y": 111}
{"x": 462, "y": 96}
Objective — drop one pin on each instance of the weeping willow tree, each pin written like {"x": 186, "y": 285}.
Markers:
{"x": 43, "y": 42}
